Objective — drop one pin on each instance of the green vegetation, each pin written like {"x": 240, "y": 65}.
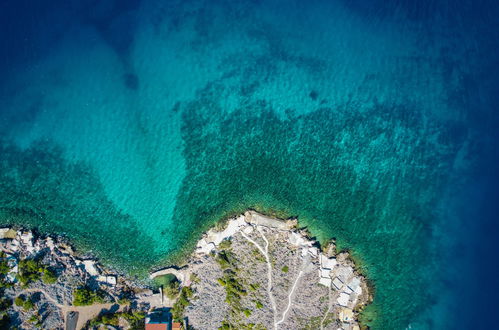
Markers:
{"x": 36, "y": 320}
{"x": 24, "y": 302}
{"x": 124, "y": 301}
{"x": 4, "y": 317}
{"x": 49, "y": 276}
{"x": 258, "y": 304}
{"x": 258, "y": 255}
{"x": 194, "y": 278}
{"x": 233, "y": 288}
{"x": 182, "y": 302}
{"x": 247, "y": 312}
{"x": 226, "y": 325}
{"x": 225, "y": 244}
{"x": 86, "y": 296}
{"x": 4, "y": 270}
{"x": 254, "y": 287}
{"x": 172, "y": 289}
{"x": 4, "y": 266}
{"x": 134, "y": 319}
{"x": 31, "y": 270}
{"x": 226, "y": 260}
{"x": 4, "y": 302}
{"x": 285, "y": 269}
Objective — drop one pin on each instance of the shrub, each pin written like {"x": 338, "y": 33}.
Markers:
{"x": 225, "y": 244}
{"x": 258, "y": 304}
{"x": 19, "y": 301}
{"x": 247, "y": 312}
{"x": 285, "y": 269}
{"x": 4, "y": 266}
{"x": 86, "y": 296}
{"x": 182, "y": 302}
{"x": 49, "y": 276}
{"x": 124, "y": 301}
{"x": 172, "y": 289}
{"x": 26, "y": 303}
{"x": 226, "y": 260}
{"x": 29, "y": 271}
{"x": 254, "y": 287}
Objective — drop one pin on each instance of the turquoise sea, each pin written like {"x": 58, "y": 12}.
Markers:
{"x": 133, "y": 126}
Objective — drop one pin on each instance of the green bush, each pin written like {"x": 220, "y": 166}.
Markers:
{"x": 182, "y": 302}
{"x": 285, "y": 269}
{"x": 225, "y": 244}
{"x": 172, "y": 289}
{"x": 49, "y": 276}
{"x": 247, "y": 312}
{"x": 26, "y": 303}
{"x": 86, "y": 296}
{"x": 4, "y": 266}
{"x": 226, "y": 260}
{"x": 254, "y": 287}
{"x": 31, "y": 270}
{"x": 19, "y": 301}
{"x": 258, "y": 304}
{"x": 29, "y": 305}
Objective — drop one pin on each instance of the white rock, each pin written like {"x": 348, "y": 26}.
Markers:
{"x": 325, "y": 281}
{"x": 50, "y": 243}
{"x": 262, "y": 220}
{"x": 297, "y": 239}
{"x": 90, "y": 267}
{"x": 343, "y": 299}
{"x": 111, "y": 279}
{"x": 248, "y": 230}
{"x": 27, "y": 238}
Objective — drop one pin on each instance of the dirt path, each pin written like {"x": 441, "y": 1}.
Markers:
{"x": 289, "y": 299}
{"x": 265, "y": 252}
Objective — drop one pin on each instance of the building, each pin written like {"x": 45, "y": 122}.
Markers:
{"x": 161, "y": 319}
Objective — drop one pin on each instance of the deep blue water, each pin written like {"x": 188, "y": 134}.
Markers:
{"x": 374, "y": 122}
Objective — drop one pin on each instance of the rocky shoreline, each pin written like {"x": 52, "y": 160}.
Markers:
{"x": 285, "y": 279}
{"x": 256, "y": 272}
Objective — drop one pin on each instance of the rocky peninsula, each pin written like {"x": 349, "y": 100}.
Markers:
{"x": 249, "y": 272}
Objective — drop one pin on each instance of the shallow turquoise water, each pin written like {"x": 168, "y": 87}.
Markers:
{"x": 144, "y": 123}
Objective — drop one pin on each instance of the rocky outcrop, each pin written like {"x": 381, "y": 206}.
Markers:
{"x": 284, "y": 278}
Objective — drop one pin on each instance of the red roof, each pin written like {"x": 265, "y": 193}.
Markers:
{"x": 156, "y": 326}
{"x": 176, "y": 326}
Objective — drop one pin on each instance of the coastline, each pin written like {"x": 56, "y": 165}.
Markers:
{"x": 143, "y": 294}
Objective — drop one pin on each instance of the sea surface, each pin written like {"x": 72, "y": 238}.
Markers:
{"x": 133, "y": 126}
